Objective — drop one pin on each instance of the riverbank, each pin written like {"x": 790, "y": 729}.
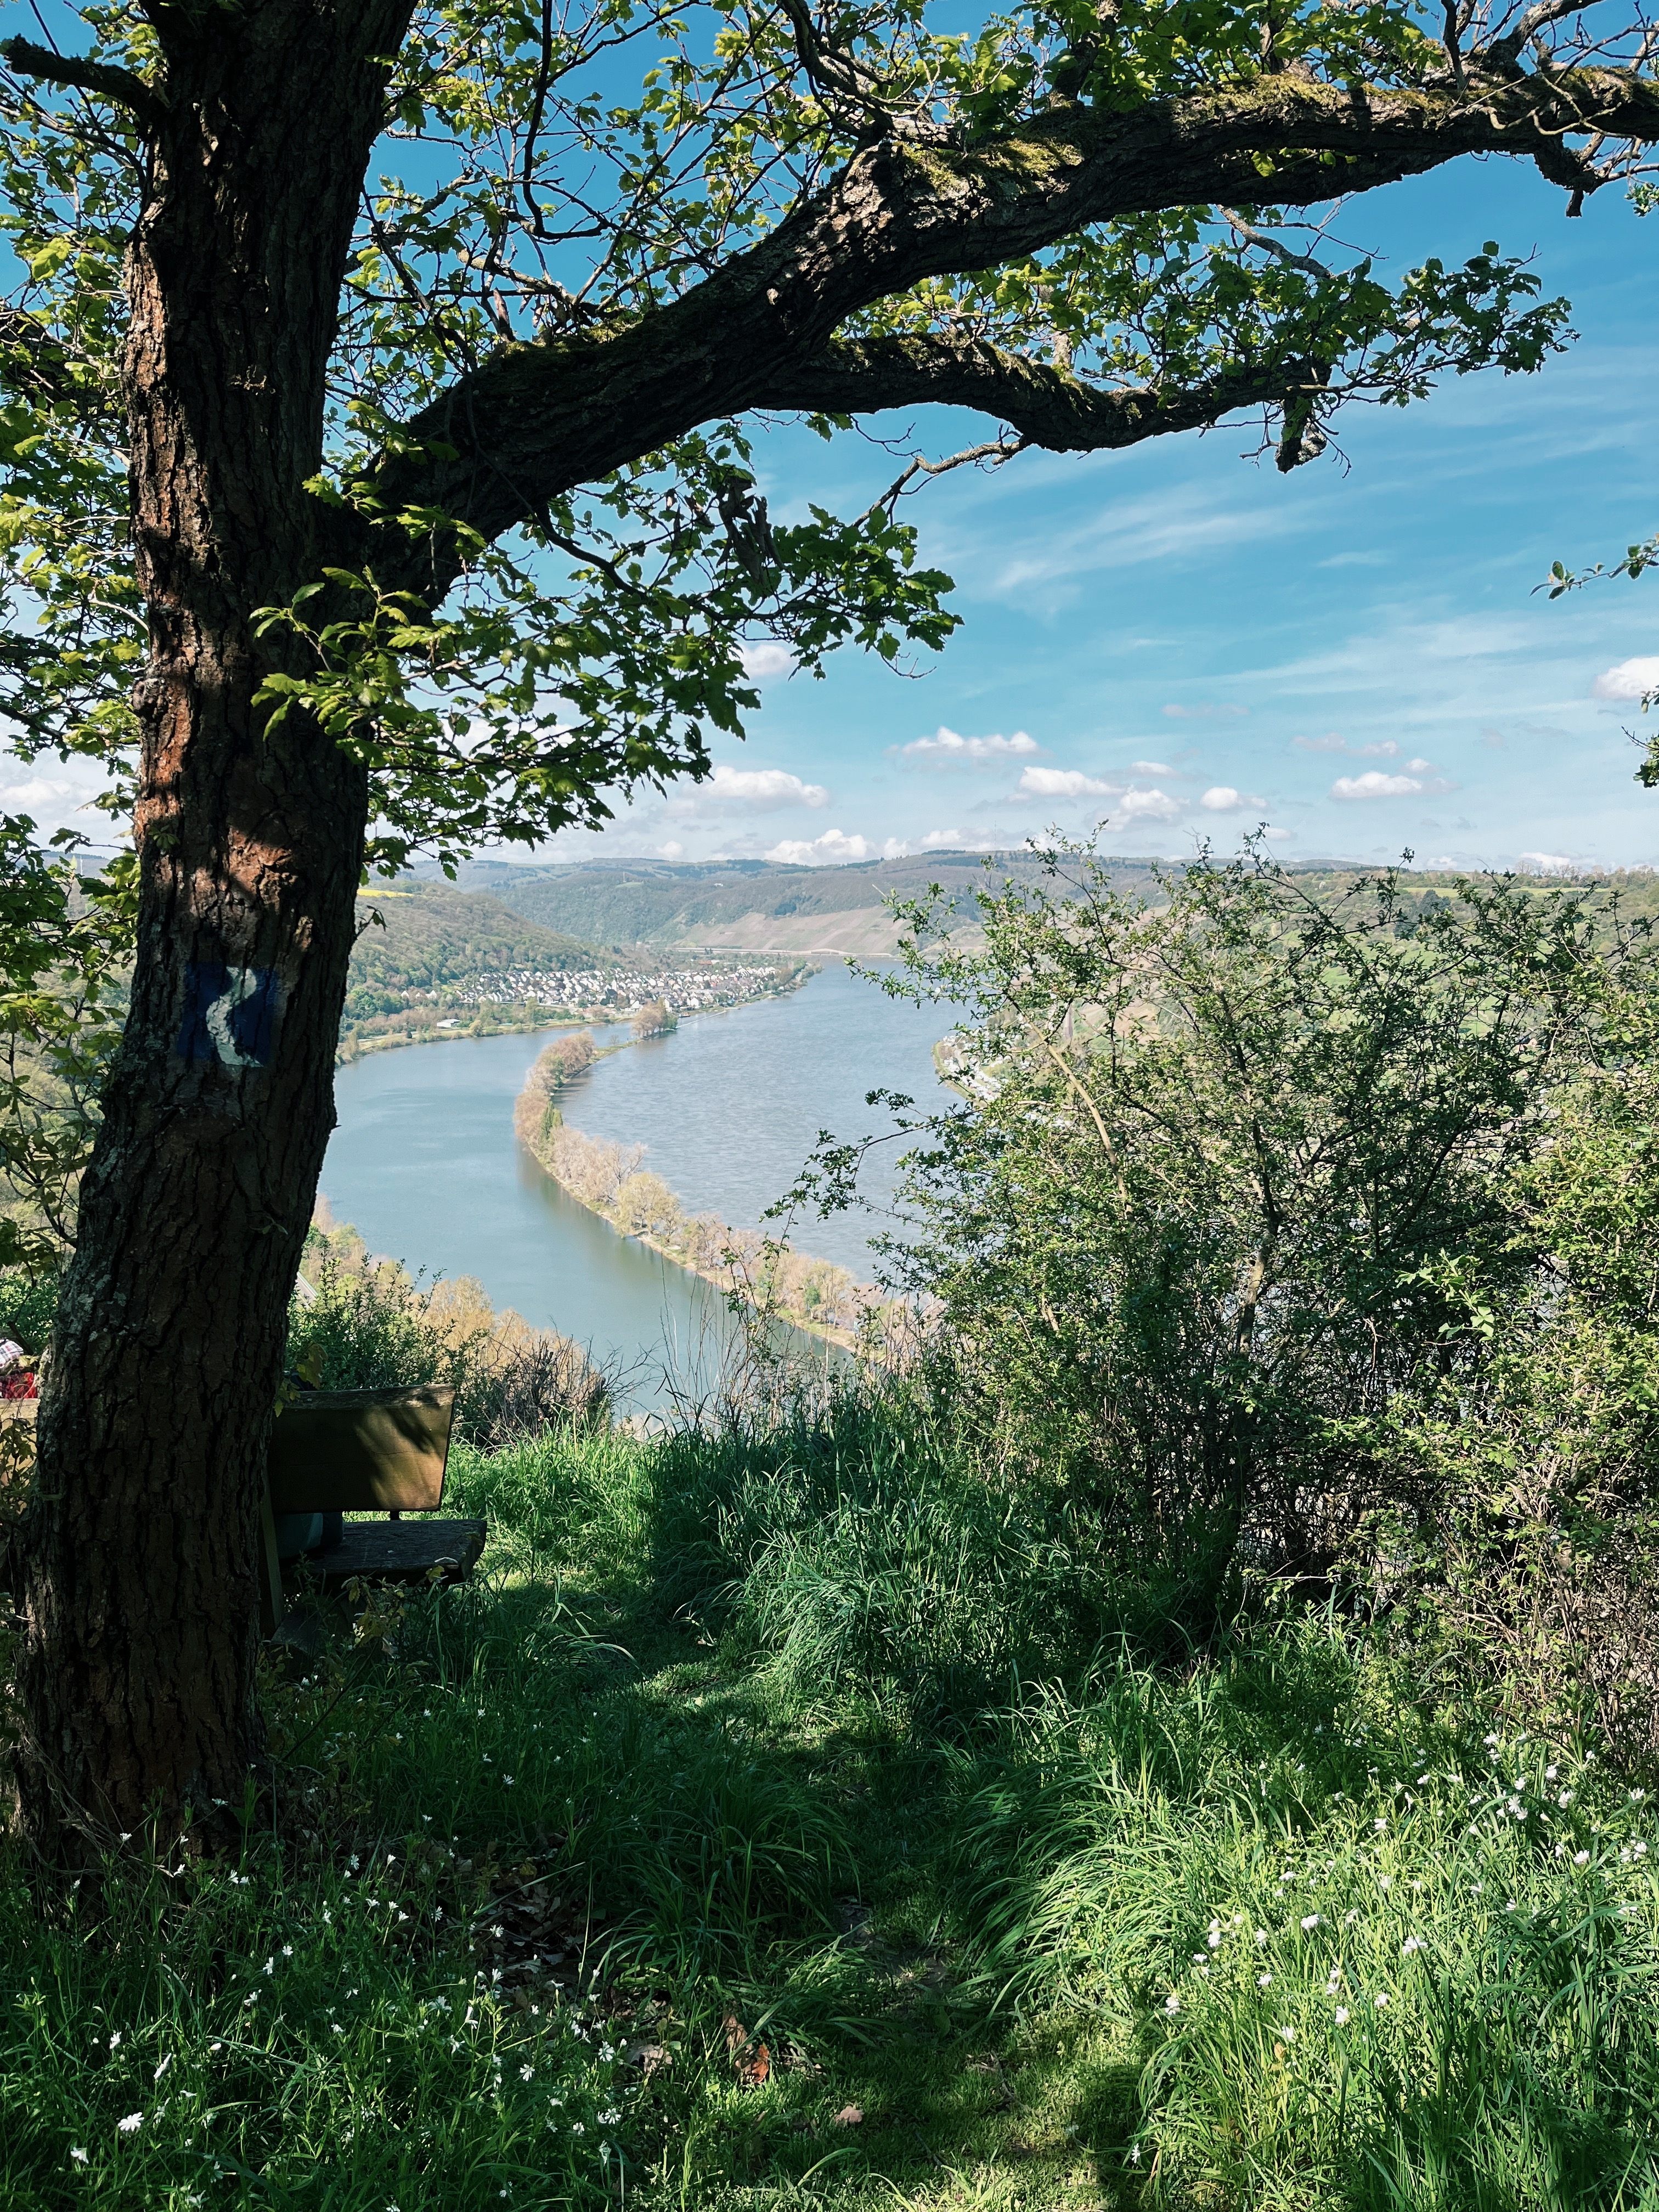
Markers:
{"x": 764, "y": 1273}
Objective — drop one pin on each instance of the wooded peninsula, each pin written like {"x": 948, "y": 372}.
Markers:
{"x": 610, "y": 1179}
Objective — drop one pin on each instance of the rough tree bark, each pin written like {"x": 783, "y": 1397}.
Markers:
{"x": 139, "y": 1601}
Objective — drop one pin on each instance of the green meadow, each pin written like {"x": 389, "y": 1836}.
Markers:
{"x": 781, "y": 1818}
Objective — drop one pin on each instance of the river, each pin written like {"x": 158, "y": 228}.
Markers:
{"x": 423, "y": 1162}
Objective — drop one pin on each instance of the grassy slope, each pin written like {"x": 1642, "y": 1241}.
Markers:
{"x": 714, "y": 1741}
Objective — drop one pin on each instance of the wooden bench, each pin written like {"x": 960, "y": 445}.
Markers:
{"x": 336, "y": 1451}
{"x": 365, "y": 1451}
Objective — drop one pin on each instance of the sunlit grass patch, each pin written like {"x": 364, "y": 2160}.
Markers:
{"x": 1366, "y": 1960}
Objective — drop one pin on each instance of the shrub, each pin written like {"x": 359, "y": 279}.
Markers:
{"x": 370, "y": 1326}
{"x": 1200, "y": 1232}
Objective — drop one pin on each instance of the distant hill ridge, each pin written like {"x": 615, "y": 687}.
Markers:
{"x": 766, "y": 906}
{"x": 752, "y": 905}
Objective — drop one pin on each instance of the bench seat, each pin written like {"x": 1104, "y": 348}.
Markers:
{"x": 395, "y": 1552}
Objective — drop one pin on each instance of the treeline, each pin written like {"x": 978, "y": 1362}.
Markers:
{"x": 610, "y": 1179}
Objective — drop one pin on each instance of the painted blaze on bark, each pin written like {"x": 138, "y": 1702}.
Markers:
{"x": 929, "y": 186}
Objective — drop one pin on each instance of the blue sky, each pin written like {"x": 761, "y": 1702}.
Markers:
{"x": 1359, "y": 657}
{"x": 1182, "y": 644}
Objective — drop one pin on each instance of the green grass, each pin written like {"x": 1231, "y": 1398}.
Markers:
{"x": 809, "y": 1740}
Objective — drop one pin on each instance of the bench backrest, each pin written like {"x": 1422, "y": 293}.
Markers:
{"x": 362, "y": 1452}
{"x": 332, "y": 1451}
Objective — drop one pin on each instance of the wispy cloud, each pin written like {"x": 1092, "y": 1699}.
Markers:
{"x": 1150, "y": 768}
{"x": 1166, "y": 526}
{"x": 1206, "y": 711}
{"x": 1384, "y": 748}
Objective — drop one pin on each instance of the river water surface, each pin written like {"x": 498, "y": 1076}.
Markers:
{"x": 424, "y": 1163}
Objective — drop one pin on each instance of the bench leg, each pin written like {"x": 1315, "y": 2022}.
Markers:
{"x": 270, "y": 1571}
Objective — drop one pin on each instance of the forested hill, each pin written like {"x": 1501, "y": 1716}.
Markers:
{"x": 759, "y": 905}
{"x": 434, "y": 938}
{"x": 593, "y": 910}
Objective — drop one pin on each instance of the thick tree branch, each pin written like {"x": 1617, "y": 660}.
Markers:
{"x": 140, "y": 100}
{"x": 1045, "y": 405}
{"x": 536, "y": 420}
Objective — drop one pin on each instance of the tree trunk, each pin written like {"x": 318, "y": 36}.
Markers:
{"x": 139, "y": 1594}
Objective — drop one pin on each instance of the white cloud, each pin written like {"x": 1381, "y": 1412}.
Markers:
{"x": 766, "y": 659}
{"x": 1220, "y": 798}
{"x": 1155, "y": 805}
{"x": 1549, "y": 864}
{"x": 671, "y": 851}
{"x": 824, "y": 852}
{"x": 1206, "y": 711}
{"x": 1278, "y": 836}
{"x": 1374, "y": 785}
{"x": 1065, "y": 783}
{"x": 757, "y": 788}
{"x": 1631, "y": 679}
{"x": 1150, "y": 768}
{"x": 1385, "y": 749}
{"x": 35, "y": 791}
{"x": 1418, "y": 766}
{"x": 945, "y": 746}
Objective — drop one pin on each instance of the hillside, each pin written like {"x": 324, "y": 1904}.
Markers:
{"x": 434, "y": 938}
{"x": 751, "y": 905}
{"x": 440, "y": 960}
{"x": 760, "y": 906}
